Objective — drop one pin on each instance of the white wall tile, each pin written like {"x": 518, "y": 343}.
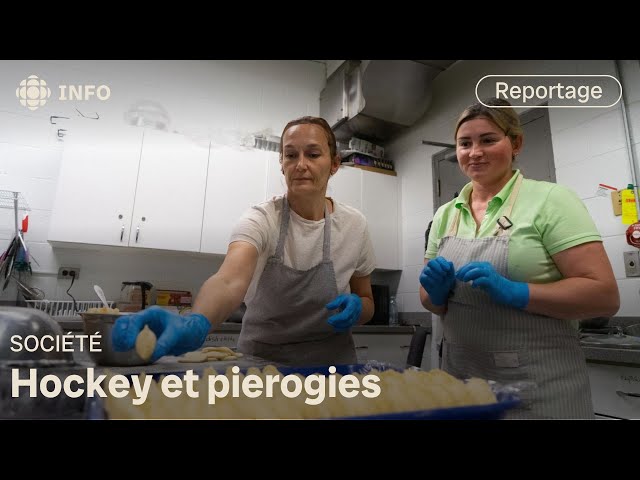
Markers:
{"x": 409, "y": 281}
{"x": 42, "y": 163}
{"x": 414, "y": 251}
{"x": 629, "y": 297}
{"x": 27, "y": 129}
{"x": 569, "y": 146}
{"x": 38, "y": 226}
{"x": 38, "y": 193}
{"x": 563, "y": 118}
{"x": 414, "y": 225}
{"x": 583, "y": 177}
{"x": 417, "y": 184}
{"x": 601, "y": 211}
{"x": 605, "y": 133}
{"x": 44, "y": 255}
{"x": 615, "y": 246}
{"x": 411, "y": 302}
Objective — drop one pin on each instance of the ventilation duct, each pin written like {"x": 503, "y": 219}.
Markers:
{"x": 376, "y": 99}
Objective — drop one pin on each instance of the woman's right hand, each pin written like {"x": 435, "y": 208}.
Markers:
{"x": 438, "y": 278}
{"x": 176, "y": 334}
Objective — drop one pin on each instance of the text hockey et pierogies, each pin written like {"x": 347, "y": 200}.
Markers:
{"x": 218, "y": 385}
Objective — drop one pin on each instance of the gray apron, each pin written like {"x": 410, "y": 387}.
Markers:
{"x": 286, "y": 322}
{"x": 484, "y": 339}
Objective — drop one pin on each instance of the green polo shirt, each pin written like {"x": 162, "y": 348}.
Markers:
{"x": 547, "y": 218}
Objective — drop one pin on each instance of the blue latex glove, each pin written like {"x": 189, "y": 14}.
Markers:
{"x": 500, "y": 289}
{"x": 176, "y": 334}
{"x": 438, "y": 278}
{"x": 350, "y": 306}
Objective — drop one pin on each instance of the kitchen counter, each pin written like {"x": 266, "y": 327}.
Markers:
{"x": 624, "y": 356}
{"x": 75, "y": 324}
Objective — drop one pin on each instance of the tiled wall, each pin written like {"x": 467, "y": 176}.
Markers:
{"x": 222, "y": 100}
{"x": 589, "y": 148}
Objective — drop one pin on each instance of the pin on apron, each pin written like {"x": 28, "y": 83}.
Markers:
{"x": 286, "y": 321}
{"x": 484, "y": 339}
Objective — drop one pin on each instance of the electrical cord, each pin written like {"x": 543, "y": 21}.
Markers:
{"x": 75, "y": 307}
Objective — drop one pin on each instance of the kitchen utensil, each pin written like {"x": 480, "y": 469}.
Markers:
{"x": 29, "y": 293}
{"x": 102, "y": 323}
{"x": 101, "y": 296}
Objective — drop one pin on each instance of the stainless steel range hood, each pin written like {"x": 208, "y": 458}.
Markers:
{"x": 376, "y": 99}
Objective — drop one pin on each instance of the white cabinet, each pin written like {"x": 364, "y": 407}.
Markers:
{"x": 615, "y": 390}
{"x": 236, "y": 181}
{"x": 380, "y": 206}
{"x": 130, "y": 187}
{"x": 346, "y": 187}
{"x": 96, "y": 186}
{"x": 170, "y": 194}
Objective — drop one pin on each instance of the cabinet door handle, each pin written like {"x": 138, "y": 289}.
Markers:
{"x": 122, "y": 233}
{"x": 137, "y": 232}
{"x": 627, "y": 394}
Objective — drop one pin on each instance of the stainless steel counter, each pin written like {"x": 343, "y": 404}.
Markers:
{"x": 75, "y": 324}
{"x": 612, "y": 355}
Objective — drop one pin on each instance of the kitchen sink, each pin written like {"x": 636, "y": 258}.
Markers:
{"x": 610, "y": 341}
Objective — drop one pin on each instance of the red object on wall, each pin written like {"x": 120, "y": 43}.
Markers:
{"x": 25, "y": 224}
{"x": 633, "y": 235}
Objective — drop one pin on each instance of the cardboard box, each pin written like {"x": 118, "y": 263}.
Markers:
{"x": 173, "y": 298}
{"x": 616, "y": 203}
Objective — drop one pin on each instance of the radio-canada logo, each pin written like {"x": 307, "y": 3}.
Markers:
{"x": 33, "y": 92}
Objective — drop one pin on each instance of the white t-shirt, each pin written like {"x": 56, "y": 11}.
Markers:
{"x": 351, "y": 249}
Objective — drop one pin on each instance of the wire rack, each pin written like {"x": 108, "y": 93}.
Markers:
{"x": 8, "y": 198}
{"x": 64, "y": 308}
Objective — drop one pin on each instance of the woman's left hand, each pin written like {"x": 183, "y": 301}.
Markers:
{"x": 499, "y": 288}
{"x": 350, "y": 306}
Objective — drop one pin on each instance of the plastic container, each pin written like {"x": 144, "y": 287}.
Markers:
{"x": 393, "y": 312}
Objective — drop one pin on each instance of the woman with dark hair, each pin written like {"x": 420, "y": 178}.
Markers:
{"x": 300, "y": 261}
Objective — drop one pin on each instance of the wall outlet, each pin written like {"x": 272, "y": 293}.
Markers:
{"x": 65, "y": 272}
{"x": 632, "y": 263}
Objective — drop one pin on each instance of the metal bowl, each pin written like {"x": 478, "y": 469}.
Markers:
{"x": 103, "y": 323}
{"x": 26, "y": 322}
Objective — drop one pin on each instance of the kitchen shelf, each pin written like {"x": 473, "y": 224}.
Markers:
{"x": 7, "y": 200}
{"x": 376, "y": 169}
{"x": 345, "y": 153}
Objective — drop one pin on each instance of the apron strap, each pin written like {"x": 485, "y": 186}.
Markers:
{"x": 504, "y": 218}
{"x": 284, "y": 227}
{"x": 326, "y": 245}
{"x": 453, "y": 229}
{"x": 504, "y": 223}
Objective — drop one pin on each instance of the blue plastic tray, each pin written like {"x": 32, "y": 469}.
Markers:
{"x": 494, "y": 411}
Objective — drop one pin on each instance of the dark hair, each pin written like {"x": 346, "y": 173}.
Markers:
{"x": 504, "y": 117}
{"x": 322, "y": 123}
